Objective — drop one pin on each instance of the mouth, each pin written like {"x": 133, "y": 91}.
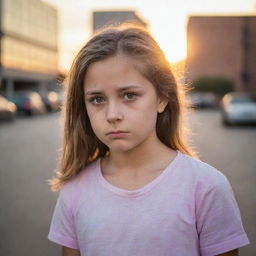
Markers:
{"x": 117, "y": 132}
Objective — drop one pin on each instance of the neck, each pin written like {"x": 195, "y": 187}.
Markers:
{"x": 151, "y": 153}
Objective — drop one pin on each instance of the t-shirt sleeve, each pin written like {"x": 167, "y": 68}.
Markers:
{"x": 219, "y": 223}
{"x": 62, "y": 228}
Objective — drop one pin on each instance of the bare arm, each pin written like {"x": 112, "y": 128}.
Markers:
{"x": 70, "y": 252}
{"x": 230, "y": 253}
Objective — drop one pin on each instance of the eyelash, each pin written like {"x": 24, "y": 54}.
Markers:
{"x": 91, "y": 100}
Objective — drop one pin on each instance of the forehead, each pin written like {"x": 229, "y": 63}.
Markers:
{"x": 116, "y": 71}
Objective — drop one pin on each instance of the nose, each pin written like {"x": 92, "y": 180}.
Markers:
{"x": 113, "y": 113}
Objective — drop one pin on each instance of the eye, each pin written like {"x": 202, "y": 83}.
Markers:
{"x": 96, "y": 100}
{"x": 130, "y": 95}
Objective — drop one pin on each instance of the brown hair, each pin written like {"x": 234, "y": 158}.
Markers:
{"x": 80, "y": 145}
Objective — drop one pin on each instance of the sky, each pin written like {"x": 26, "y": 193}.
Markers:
{"x": 166, "y": 20}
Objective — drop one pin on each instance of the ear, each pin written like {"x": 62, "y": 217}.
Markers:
{"x": 161, "y": 105}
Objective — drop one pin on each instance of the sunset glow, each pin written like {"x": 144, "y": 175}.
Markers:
{"x": 166, "y": 21}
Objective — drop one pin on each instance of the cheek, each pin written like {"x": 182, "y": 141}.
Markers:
{"x": 145, "y": 112}
{"x": 94, "y": 119}
{"x": 95, "y": 123}
{"x": 143, "y": 120}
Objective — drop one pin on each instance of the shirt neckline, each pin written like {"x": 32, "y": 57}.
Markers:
{"x": 142, "y": 190}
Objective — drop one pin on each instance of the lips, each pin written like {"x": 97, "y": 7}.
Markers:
{"x": 116, "y": 132}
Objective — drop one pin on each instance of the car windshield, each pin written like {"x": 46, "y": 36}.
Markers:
{"x": 244, "y": 100}
{"x": 19, "y": 96}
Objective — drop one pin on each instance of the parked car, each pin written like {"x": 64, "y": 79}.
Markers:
{"x": 28, "y": 102}
{"x": 238, "y": 108}
{"x": 201, "y": 100}
{"x": 51, "y": 101}
{"x": 7, "y": 109}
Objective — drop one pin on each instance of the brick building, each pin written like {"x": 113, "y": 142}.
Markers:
{"x": 223, "y": 46}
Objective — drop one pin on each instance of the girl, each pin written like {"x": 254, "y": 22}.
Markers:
{"x": 129, "y": 184}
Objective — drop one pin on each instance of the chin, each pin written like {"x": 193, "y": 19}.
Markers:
{"x": 123, "y": 147}
{"x": 120, "y": 149}
{"x": 119, "y": 146}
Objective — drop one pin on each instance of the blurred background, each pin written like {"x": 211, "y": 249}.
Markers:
{"x": 211, "y": 46}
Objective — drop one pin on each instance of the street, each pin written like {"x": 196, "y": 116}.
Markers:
{"x": 29, "y": 151}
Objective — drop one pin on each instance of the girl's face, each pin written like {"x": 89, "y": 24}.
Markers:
{"x": 119, "y": 98}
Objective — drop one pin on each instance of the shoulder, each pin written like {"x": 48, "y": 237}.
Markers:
{"x": 72, "y": 188}
{"x": 202, "y": 173}
{"x": 210, "y": 185}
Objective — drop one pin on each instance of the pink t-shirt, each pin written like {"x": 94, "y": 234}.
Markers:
{"x": 189, "y": 209}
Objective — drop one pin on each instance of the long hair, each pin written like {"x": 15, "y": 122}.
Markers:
{"x": 80, "y": 145}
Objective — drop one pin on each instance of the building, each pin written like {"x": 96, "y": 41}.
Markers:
{"x": 103, "y": 18}
{"x": 223, "y": 46}
{"x": 28, "y": 46}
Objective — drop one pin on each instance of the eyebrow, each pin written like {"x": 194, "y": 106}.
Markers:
{"x": 93, "y": 92}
